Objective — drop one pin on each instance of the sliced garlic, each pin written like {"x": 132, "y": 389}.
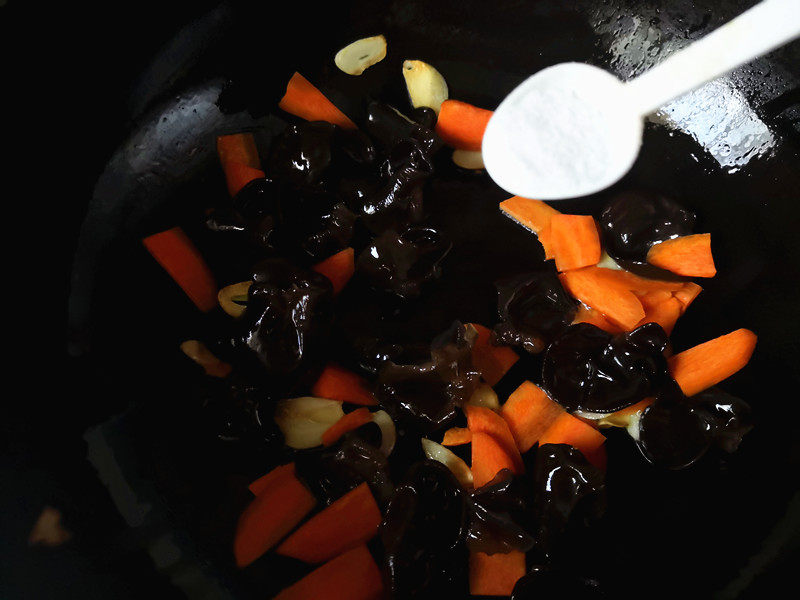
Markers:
{"x": 199, "y": 353}
{"x": 388, "y": 432}
{"x": 608, "y": 263}
{"x": 230, "y": 296}
{"x": 450, "y": 460}
{"x": 484, "y": 396}
{"x": 426, "y": 86}
{"x": 304, "y": 420}
{"x": 468, "y": 159}
{"x": 357, "y": 57}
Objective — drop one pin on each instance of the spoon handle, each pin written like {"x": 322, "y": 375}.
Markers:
{"x": 766, "y": 26}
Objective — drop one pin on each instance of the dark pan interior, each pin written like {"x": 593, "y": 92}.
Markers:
{"x": 712, "y": 529}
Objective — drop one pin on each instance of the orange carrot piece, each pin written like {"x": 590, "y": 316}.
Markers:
{"x": 568, "y": 429}
{"x": 529, "y": 412}
{"x": 587, "y": 314}
{"x": 492, "y": 361}
{"x": 273, "y": 477}
{"x": 489, "y": 457}
{"x": 495, "y": 574}
{"x": 339, "y": 268}
{"x": 531, "y": 214}
{"x": 269, "y": 517}
{"x": 350, "y": 576}
{"x": 546, "y": 240}
{"x": 706, "y": 364}
{"x": 238, "y": 175}
{"x": 304, "y": 100}
{"x": 638, "y": 285}
{"x": 689, "y": 255}
{"x": 599, "y": 288}
{"x": 456, "y": 436}
{"x": 633, "y": 408}
{"x": 238, "y": 148}
{"x": 349, "y": 422}
{"x": 179, "y": 257}
{"x": 575, "y": 241}
{"x": 665, "y": 314}
{"x": 337, "y": 383}
{"x": 484, "y": 420}
{"x": 462, "y": 125}
{"x": 687, "y": 294}
{"x": 349, "y": 522}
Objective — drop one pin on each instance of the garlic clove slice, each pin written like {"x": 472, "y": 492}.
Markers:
{"x": 303, "y": 420}
{"x": 425, "y": 85}
{"x": 357, "y": 57}
{"x": 450, "y": 460}
{"x": 468, "y": 159}
{"x": 230, "y": 296}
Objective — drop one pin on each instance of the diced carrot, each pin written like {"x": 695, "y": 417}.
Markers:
{"x": 304, "y": 100}
{"x": 337, "y": 383}
{"x": 531, "y": 214}
{"x": 529, "y": 412}
{"x": 546, "y": 240}
{"x": 495, "y": 574}
{"x": 489, "y": 457}
{"x": 706, "y": 364}
{"x": 587, "y": 314}
{"x": 350, "y": 521}
{"x": 638, "y": 285}
{"x": 238, "y": 148}
{"x": 599, "y": 288}
{"x": 179, "y": 257}
{"x": 456, "y": 436}
{"x": 238, "y": 175}
{"x": 575, "y": 241}
{"x": 462, "y": 125}
{"x": 269, "y": 517}
{"x": 485, "y": 420}
{"x": 271, "y": 478}
{"x": 350, "y": 576}
{"x": 665, "y": 314}
{"x": 349, "y": 422}
{"x": 687, "y": 294}
{"x": 339, "y": 268}
{"x": 567, "y": 429}
{"x": 492, "y": 361}
{"x": 689, "y": 255}
{"x": 654, "y": 298}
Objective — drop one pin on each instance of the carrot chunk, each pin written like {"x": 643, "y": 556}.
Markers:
{"x": 179, "y": 257}
{"x": 706, "y": 364}
{"x": 665, "y": 313}
{"x": 601, "y": 289}
{"x": 534, "y": 215}
{"x": 349, "y": 422}
{"x": 238, "y": 148}
{"x": 489, "y": 457}
{"x": 269, "y": 517}
{"x": 687, "y": 294}
{"x": 337, "y": 383}
{"x": 495, "y": 574}
{"x": 238, "y": 175}
{"x": 485, "y": 420}
{"x": 350, "y": 576}
{"x": 575, "y": 241}
{"x": 456, "y": 436}
{"x": 350, "y": 521}
{"x": 304, "y": 100}
{"x": 568, "y": 429}
{"x": 462, "y": 125}
{"x": 339, "y": 268}
{"x": 492, "y": 361}
{"x": 689, "y": 255}
{"x": 272, "y": 478}
{"x": 529, "y": 412}
{"x": 586, "y": 314}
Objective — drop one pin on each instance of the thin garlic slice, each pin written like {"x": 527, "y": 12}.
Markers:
{"x": 199, "y": 353}
{"x": 357, "y": 57}
{"x": 609, "y": 263}
{"x": 230, "y": 297}
{"x": 484, "y": 396}
{"x": 304, "y": 420}
{"x": 450, "y": 460}
{"x": 426, "y": 86}
{"x": 469, "y": 159}
{"x": 388, "y": 432}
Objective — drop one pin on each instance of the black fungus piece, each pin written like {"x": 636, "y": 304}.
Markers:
{"x": 258, "y": 198}
{"x": 730, "y": 417}
{"x": 301, "y": 155}
{"x": 422, "y": 534}
{"x": 402, "y": 263}
{"x": 588, "y": 369}
{"x": 226, "y": 221}
{"x": 499, "y": 515}
{"x": 389, "y": 126}
{"x": 633, "y": 221}
{"x": 374, "y": 353}
{"x": 533, "y": 309}
{"x": 425, "y": 116}
{"x": 547, "y": 582}
{"x": 286, "y": 321}
{"x": 332, "y": 472}
{"x": 425, "y": 396}
{"x": 673, "y": 433}
{"x": 329, "y": 232}
{"x": 566, "y": 487}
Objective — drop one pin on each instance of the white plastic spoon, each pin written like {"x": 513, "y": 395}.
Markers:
{"x": 573, "y": 129}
